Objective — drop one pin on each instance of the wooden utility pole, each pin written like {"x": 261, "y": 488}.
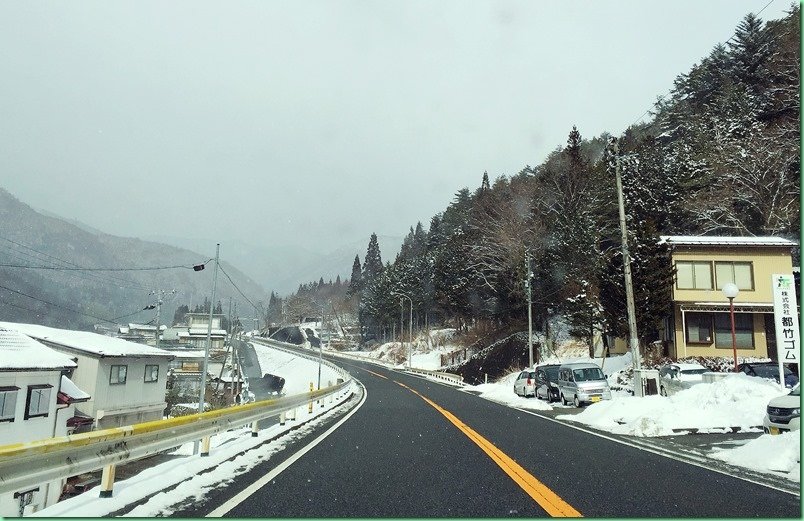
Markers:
{"x": 633, "y": 339}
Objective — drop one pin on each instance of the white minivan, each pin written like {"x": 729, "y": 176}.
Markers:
{"x": 581, "y": 383}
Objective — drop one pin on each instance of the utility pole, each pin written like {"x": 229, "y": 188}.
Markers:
{"x": 202, "y": 399}
{"x": 633, "y": 341}
{"x": 160, "y": 294}
{"x": 528, "y": 284}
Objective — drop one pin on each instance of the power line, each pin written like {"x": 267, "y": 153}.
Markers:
{"x": 194, "y": 267}
{"x": 238, "y": 289}
{"x": 133, "y": 285}
{"x": 112, "y": 321}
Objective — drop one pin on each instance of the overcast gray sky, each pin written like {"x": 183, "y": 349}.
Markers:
{"x": 318, "y": 122}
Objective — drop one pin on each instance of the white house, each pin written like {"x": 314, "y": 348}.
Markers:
{"x": 126, "y": 380}
{"x": 36, "y": 402}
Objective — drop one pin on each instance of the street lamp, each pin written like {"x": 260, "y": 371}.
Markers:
{"x": 410, "y": 328}
{"x": 730, "y": 291}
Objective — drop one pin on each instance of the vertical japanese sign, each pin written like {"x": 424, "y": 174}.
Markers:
{"x": 785, "y": 313}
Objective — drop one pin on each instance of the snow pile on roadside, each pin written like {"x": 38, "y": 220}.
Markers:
{"x": 735, "y": 401}
{"x": 298, "y": 372}
{"x": 502, "y": 391}
{"x": 777, "y": 454}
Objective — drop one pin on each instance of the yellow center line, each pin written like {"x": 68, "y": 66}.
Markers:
{"x": 376, "y": 374}
{"x": 546, "y": 498}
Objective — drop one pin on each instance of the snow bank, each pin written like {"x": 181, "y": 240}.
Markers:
{"x": 298, "y": 372}
{"x": 736, "y": 401}
{"x": 502, "y": 391}
{"x": 777, "y": 454}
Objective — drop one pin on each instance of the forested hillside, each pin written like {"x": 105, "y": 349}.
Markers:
{"x": 57, "y": 293}
{"x": 718, "y": 156}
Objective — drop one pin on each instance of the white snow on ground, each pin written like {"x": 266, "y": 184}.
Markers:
{"x": 502, "y": 391}
{"x": 735, "y": 401}
{"x": 297, "y": 373}
{"x": 778, "y": 454}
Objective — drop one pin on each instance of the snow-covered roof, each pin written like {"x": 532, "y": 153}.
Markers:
{"x": 90, "y": 343}
{"x": 18, "y": 352}
{"x": 693, "y": 240}
{"x": 72, "y": 390}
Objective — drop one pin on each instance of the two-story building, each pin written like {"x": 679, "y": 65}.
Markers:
{"x": 127, "y": 381}
{"x": 195, "y": 331}
{"x": 700, "y": 322}
{"x": 37, "y": 401}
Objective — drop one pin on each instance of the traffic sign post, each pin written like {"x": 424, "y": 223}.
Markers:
{"x": 785, "y": 315}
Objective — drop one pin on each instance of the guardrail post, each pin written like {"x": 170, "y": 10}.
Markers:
{"x": 329, "y": 384}
{"x": 254, "y": 429}
{"x": 282, "y": 418}
{"x": 107, "y": 481}
{"x": 205, "y": 446}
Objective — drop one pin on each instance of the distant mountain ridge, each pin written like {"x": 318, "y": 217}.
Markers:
{"x": 79, "y": 299}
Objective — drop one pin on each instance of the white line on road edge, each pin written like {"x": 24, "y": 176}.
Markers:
{"x": 660, "y": 452}
{"x": 254, "y": 487}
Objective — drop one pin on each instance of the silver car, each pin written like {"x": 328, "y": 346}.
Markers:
{"x": 525, "y": 383}
{"x": 581, "y": 383}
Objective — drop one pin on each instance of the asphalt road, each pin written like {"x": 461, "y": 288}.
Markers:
{"x": 400, "y": 456}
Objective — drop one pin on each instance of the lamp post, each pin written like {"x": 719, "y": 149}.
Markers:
{"x": 410, "y": 328}
{"x": 528, "y": 278}
{"x": 730, "y": 291}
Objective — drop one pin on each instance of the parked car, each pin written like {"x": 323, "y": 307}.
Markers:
{"x": 524, "y": 385}
{"x": 769, "y": 370}
{"x": 547, "y": 382}
{"x": 581, "y": 383}
{"x": 784, "y": 413}
{"x": 676, "y": 377}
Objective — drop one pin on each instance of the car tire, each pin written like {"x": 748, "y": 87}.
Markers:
{"x": 564, "y": 400}
{"x": 663, "y": 391}
{"x": 576, "y": 402}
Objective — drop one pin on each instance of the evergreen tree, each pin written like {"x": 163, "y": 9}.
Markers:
{"x": 356, "y": 280}
{"x": 372, "y": 264}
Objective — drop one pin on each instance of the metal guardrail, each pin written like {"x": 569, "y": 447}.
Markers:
{"x": 452, "y": 378}
{"x": 32, "y": 463}
{"x": 455, "y": 379}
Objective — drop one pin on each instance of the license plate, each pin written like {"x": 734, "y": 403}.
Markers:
{"x": 774, "y": 430}
{"x": 595, "y": 398}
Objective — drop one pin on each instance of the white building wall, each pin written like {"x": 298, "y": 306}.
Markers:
{"x": 32, "y": 429}
{"x": 132, "y": 402}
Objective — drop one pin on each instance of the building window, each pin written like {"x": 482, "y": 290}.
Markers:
{"x": 151, "y": 373}
{"x": 8, "y": 403}
{"x": 38, "y": 401}
{"x": 694, "y": 275}
{"x": 740, "y": 273}
{"x": 118, "y": 374}
{"x": 699, "y": 328}
{"x": 743, "y": 330}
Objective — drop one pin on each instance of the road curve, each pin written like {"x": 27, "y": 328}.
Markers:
{"x": 417, "y": 448}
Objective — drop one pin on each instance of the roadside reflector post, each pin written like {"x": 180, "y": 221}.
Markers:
{"x": 107, "y": 481}
{"x": 205, "y": 446}
{"x": 282, "y": 418}
{"x": 310, "y": 405}
{"x": 329, "y": 384}
{"x": 254, "y": 429}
